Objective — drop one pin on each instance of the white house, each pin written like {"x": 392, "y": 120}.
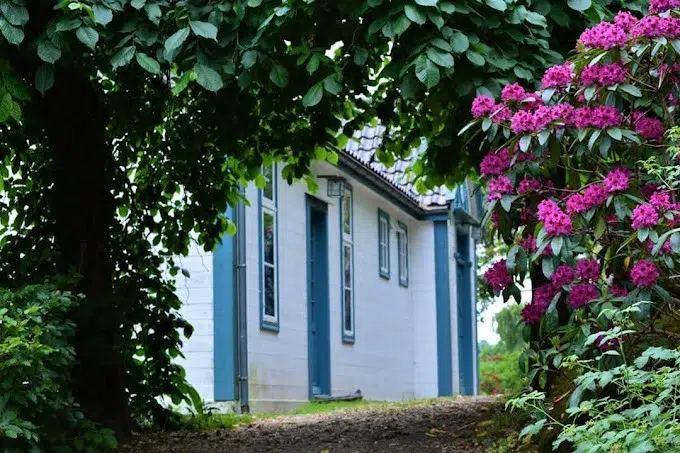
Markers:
{"x": 321, "y": 295}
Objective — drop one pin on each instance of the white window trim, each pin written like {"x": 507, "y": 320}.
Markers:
{"x": 269, "y": 206}
{"x": 348, "y": 287}
{"x": 384, "y": 244}
{"x": 402, "y": 254}
{"x": 347, "y": 240}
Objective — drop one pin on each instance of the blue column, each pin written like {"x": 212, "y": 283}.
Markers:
{"x": 443, "y": 305}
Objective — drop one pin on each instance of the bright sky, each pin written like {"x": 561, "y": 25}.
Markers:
{"x": 486, "y": 329}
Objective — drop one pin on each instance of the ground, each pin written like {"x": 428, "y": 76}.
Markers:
{"x": 443, "y": 425}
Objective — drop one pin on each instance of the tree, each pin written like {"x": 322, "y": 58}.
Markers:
{"x": 127, "y": 126}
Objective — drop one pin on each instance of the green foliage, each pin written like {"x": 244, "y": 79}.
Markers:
{"x": 37, "y": 409}
{"x": 508, "y": 324}
{"x": 666, "y": 168}
{"x": 210, "y": 421}
{"x": 498, "y": 371}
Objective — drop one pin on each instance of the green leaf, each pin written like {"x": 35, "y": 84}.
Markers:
{"x": 207, "y": 77}
{"x": 600, "y": 227}
{"x": 5, "y": 107}
{"x": 313, "y": 64}
{"x": 249, "y": 58}
{"x": 88, "y": 36}
{"x": 14, "y": 14}
{"x": 459, "y": 42}
{"x": 440, "y": 58}
{"x": 12, "y": 34}
{"x": 123, "y": 57}
{"x": 441, "y": 44}
{"x": 615, "y": 133}
{"x": 448, "y": 8}
{"x": 254, "y": 3}
{"x": 67, "y": 25}
{"x": 313, "y": 96}
{"x": 631, "y": 89}
{"x": 44, "y": 78}
{"x": 102, "y": 14}
{"x": 204, "y": 29}
{"x": 427, "y": 2}
{"x": 415, "y": 14}
{"x": 523, "y": 73}
{"x": 497, "y": 4}
{"x": 427, "y": 72}
{"x": 279, "y": 76}
{"x": 436, "y": 19}
{"x": 536, "y": 19}
{"x": 475, "y": 58}
{"x": 331, "y": 84}
{"x": 48, "y": 52}
{"x": 360, "y": 56}
{"x": 579, "y": 5}
{"x": 138, "y": 4}
{"x": 148, "y": 63}
{"x": 176, "y": 40}
{"x": 183, "y": 82}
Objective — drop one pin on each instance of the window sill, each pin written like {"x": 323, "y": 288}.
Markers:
{"x": 384, "y": 275}
{"x": 403, "y": 284}
{"x": 349, "y": 340}
{"x": 269, "y": 327}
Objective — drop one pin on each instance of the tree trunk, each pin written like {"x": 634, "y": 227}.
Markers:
{"x": 74, "y": 120}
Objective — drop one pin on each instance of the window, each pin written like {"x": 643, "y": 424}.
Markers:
{"x": 347, "y": 266}
{"x": 269, "y": 306}
{"x": 384, "y": 243}
{"x": 402, "y": 253}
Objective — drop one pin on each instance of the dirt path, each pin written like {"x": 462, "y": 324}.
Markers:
{"x": 441, "y": 426}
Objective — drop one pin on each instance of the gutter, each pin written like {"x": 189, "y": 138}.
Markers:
{"x": 384, "y": 188}
{"x": 240, "y": 293}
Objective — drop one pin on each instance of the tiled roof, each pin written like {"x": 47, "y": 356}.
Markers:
{"x": 363, "y": 147}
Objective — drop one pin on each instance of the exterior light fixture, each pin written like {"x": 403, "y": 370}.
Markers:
{"x": 335, "y": 185}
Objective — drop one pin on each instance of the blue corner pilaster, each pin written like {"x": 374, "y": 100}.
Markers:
{"x": 443, "y": 307}
{"x": 224, "y": 317}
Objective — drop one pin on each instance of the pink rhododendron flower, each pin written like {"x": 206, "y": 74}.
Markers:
{"x": 483, "y": 106}
{"x": 595, "y": 195}
{"x": 648, "y": 128}
{"x": 555, "y": 222}
{"x": 662, "y": 201}
{"x": 563, "y": 275}
{"x": 617, "y": 180}
{"x": 497, "y": 276}
{"x": 617, "y": 291}
{"x": 655, "y": 26}
{"x": 649, "y": 189}
{"x": 495, "y": 163}
{"x": 523, "y": 122}
{"x": 644, "y": 273}
{"x": 564, "y": 112}
{"x": 540, "y": 303}
{"x": 625, "y": 20}
{"x": 495, "y": 218}
{"x": 601, "y": 117}
{"x": 588, "y": 270}
{"x": 604, "y": 36}
{"x": 499, "y": 186}
{"x": 659, "y": 6}
{"x": 582, "y": 294}
{"x": 513, "y": 92}
{"x": 645, "y": 216}
{"x": 502, "y": 113}
{"x": 528, "y": 185}
{"x": 666, "y": 248}
{"x": 557, "y": 76}
{"x": 603, "y": 74}
{"x": 576, "y": 204}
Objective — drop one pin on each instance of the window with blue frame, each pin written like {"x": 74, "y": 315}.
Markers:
{"x": 268, "y": 252}
{"x": 402, "y": 253}
{"x": 384, "y": 244}
{"x": 347, "y": 258}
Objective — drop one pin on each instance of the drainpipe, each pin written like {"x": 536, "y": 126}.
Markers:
{"x": 240, "y": 289}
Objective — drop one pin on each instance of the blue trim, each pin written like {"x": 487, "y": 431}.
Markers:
{"x": 443, "y": 308}
{"x": 439, "y": 216}
{"x": 386, "y": 275}
{"x": 464, "y": 302}
{"x": 348, "y": 339}
{"x": 403, "y": 280}
{"x": 224, "y": 316}
{"x": 322, "y": 335}
{"x": 265, "y": 324}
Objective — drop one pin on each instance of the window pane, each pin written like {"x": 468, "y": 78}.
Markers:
{"x": 269, "y": 291}
{"x": 347, "y": 213}
{"x": 348, "y": 310}
{"x": 268, "y": 235}
{"x": 347, "y": 260}
{"x": 268, "y": 190}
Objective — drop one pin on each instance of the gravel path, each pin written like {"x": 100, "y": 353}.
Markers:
{"x": 442, "y": 426}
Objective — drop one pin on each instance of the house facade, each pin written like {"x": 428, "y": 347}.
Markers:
{"x": 363, "y": 285}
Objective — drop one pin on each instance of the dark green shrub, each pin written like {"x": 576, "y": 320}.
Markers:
{"x": 37, "y": 411}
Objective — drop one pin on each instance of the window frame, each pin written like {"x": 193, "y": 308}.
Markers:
{"x": 347, "y": 241}
{"x": 268, "y": 206}
{"x": 383, "y": 261}
{"x": 402, "y": 243}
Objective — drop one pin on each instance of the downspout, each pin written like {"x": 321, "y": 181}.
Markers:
{"x": 242, "y": 307}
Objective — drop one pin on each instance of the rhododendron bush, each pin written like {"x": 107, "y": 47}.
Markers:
{"x": 573, "y": 179}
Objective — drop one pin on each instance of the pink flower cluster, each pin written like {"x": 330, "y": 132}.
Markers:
{"x": 528, "y": 185}
{"x": 499, "y": 186}
{"x": 563, "y": 275}
{"x": 662, "y": 201}
{"x": 648, "y": 127}
{"x": 495, "y": 163}
{"x": 556, "y": 222}
{"x": 645, "y": 216}
{"x": 604, "y": 36}
{"x": 617, "y": 291}
{"x": 483, "y": 106}
{"x": 588, "y": 270}
{"x": 666, "y": 248}
{"x": 557, "y": 76}
{"x": 617, "y": 180}
{"x": 601, "y": 117}
{"x": 593, "y": 196}
{"x": 655, "y": 26}
{"x": 603, "y": 74}
{"x": 514, "y": 92}
{"x": 497, "y": 276}
{"x": 582, "y": 294}
{"x": 659, "y": 6}
{"x": 542, "y": 297}
{"x": 523, "y": 122}
{"x": 625, "y": 20}
{"x": 527, "y": 122}
{"x": 644, "y": 273}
